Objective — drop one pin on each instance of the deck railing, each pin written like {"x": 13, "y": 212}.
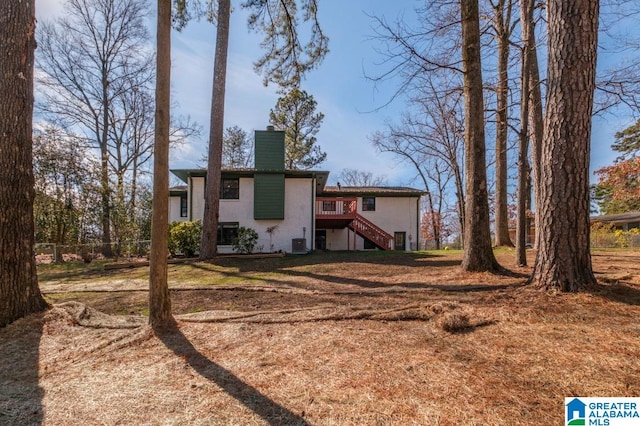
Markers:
{"x": 376, "y": 235}
{"x": 336, "y": 208}
{"x": 347, "y": 208}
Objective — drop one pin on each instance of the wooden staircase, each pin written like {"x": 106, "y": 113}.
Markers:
{"x": 365, "y": 228}
{"x": 340, "y": 212}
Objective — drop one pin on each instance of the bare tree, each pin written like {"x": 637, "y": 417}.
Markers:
{"x": 478, "y": 255}
{"x": 432, "y": 135}
{"x": 502, "y": 25}
{"x": 89, "y": 58}
{"x": 536, "y": 120}
{"x": 411, "y": 53}
{"x": 19, "y": 291}
{"x": 354, "y": 177}
{"x": 65, "y": 199}
{"x": 618, "y": 77}
{"x": 131, "y": 145}
{"x": 528, "y": 41}
{"x": 563, "y": 261}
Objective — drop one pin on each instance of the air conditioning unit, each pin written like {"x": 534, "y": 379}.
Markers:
{"x": 299, "y": 245}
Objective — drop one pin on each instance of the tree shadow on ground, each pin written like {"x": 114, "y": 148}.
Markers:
{"x": 79, "y": 273}
{"x": 247, "y": 395}
{"x": 335, "y": 257}
{"x": 619, "y": 293}
{"x": 20, "y": 392}
{"x": 367, "y": 283}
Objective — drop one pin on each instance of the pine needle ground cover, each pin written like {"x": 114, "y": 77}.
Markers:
{"x": 327, "y": 339}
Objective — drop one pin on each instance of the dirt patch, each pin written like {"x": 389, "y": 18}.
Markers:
{"x": 357, "y": 339}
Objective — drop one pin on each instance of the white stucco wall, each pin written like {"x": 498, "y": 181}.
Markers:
{"x": 392, "y": 214}
{"x": 196, "y": 198}
{"x": 174, "y": 210}
{"x": 297, "y": 223}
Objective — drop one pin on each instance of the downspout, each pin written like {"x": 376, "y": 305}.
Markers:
{"x": 417, "y": 224}
{"x": 190, "y": 193}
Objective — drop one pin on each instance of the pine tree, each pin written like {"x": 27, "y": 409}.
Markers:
{"x": 295, "y": 114}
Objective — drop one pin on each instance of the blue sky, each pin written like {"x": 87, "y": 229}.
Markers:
{"x": 344, "y": 95}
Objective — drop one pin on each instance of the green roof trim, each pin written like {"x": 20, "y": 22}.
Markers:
{"x": 185, "y": 174}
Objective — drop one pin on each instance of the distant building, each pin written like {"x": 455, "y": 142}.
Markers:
{"x": 623, "y": 221}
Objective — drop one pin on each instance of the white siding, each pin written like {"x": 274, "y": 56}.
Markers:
{"x": 196, "y": 198}
{"x": 298, "y": 221}
{"x": 174, "y": 210}
{"x": 392, "y": 214}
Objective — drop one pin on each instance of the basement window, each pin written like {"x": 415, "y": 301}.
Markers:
{"x": 227, "y": 232}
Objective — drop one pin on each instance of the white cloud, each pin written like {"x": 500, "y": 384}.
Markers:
{"x": 49, "y": 9}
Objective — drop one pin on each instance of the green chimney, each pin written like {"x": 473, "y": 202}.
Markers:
{"x": 268, "y": 182}
{"x": 269, "y": 150}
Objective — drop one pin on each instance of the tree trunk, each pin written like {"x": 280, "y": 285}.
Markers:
{"x": 460, "y": 197}
{"x": 106, "y": 205}
{"x": 502, "y": 217}
{"x": 209, "y": 243}
{"x": 535, "y": 118}
{"x": 132, "y": 201}
{"x": 526, "y": 12}
{"x": 478, "y": 253}
{"x": 563, "y": 261}
{"x": 104, "y": 164}
{"x": 159, "y": 299}
{"x": 19, "y": 291}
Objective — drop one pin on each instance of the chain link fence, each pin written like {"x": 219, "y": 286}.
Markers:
{"x": 615, "y": 239}
{"x": 121, "y": 250}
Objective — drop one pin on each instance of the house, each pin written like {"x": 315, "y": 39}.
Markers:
{"x": 623, "y": 221}
{"x": 386, "y": 218}
{"x": 295, "y": 211}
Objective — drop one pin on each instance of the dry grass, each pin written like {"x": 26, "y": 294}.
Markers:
{"x": 359, "y": 339}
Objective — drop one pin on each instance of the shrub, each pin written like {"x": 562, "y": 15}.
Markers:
{"x": 245, "y": 241}
{"x": 184, "y": 238}
{"x": 605, "y": 235}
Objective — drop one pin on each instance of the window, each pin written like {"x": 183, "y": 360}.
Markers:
{"x": 328, "y": 206}
{"x": 227, "y": 232}
{"x": 183, "y": 205}
{"x": 368, "y": 204}
{"x": 230, "y": 189}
